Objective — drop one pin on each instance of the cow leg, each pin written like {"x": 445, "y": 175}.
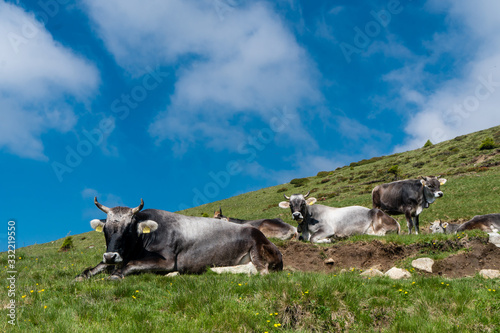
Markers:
{"x": 148, "y": 264}
{"x": 416, "y": 224}
{"x": 266, "y": 257}
{"x": 409, "y": 221}
{"x": 257, "y": 259}
{"x": 305, "y": 236}
{"x": 321, "y": 236}
{"x": 377, "y": 228}
{"x": 321, "y": 240}
{"x": 89, "y": 272}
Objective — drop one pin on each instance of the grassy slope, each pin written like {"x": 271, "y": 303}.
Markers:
{"x": 471, "y": 189}
{"x": 47, "y": 299}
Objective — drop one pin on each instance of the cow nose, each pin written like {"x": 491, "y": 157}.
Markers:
{"x": 439, "y": 194}
{"x": 111, "y": 257}
{"x": 297, "y": 215}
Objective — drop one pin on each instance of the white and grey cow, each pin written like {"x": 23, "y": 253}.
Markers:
{"x": 317, "y": 223}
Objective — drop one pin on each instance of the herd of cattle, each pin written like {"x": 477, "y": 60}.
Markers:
{"x": 156, "y": 240}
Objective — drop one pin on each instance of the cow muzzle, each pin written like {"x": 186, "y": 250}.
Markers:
{"x": 112, "y": 258}
{"x": 297, "y": 216}
{"x": 438, "y": 194}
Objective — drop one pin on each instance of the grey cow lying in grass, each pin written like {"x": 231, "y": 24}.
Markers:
{"x": 487, "y": 223}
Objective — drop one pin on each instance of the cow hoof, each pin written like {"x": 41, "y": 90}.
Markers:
{"x": 114, "y": 278}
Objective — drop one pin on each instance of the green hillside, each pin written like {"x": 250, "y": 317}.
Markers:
{"x": 46, "y": 298}
{"x": 473, "y": 185}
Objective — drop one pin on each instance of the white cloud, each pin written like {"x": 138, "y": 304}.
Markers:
{"x": 469, "y": 101}
{"x": 233, "y": 61}
{"x": 107, "y": 199}
{"x": 299, "y": 165}
{"x": 89, "y": 193}
{"x": 36, "y": 73}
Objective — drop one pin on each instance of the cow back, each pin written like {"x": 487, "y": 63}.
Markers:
{"x": 393, "y": 197}
{"x": 487, "y": 223}
{"x": 343, "y": 221}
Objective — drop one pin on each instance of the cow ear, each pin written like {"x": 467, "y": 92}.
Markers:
{"x": 146, "y": 227}
{"x": 445, "y": 225}
{"x": 97, "y": 224}
{"x": 284, "y": 204}
{"x": 442, "y": 181}
{"x": 311, "y": 201}
{"x": 422, "y": 181}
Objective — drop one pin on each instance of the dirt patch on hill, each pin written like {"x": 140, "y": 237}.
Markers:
{"x": 472, "y": 256}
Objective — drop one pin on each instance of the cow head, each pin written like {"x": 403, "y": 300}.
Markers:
{"x": 122, "y": 230}
{"x": 438, "y": 227}
{"x": 432, "y": 188}
{"x": 298, "y": 205}
{"x": 218, "y": 213}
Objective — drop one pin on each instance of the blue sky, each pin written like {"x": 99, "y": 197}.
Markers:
{"x": 187, "y": 102}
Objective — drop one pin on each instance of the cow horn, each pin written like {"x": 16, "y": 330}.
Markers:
{"x": 307, "y": 194}
{"x": 101, "y": 207}
{"x": 287, "y": 198}
{"x": 138, "y": 208}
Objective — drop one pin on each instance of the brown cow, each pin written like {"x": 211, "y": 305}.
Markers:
{"x": 271, "y": 228}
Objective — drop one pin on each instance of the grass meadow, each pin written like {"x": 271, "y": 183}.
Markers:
{"x": 48, "y": 300}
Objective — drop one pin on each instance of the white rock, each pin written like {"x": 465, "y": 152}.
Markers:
{"x": 423, "y": 264}
{"x": 372, "y": 272}
{"x": 329, "y": 261}
{"x": 172, "y": 274}
{"x": 489, "y": 273}
{"x": 494, "y": 238}
{"x": 240, "y": 269}
{"x": 398, "y": 273}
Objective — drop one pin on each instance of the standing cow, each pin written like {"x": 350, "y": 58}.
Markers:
{"x": 271, "y": 228}
{"x": 408, "y": 197}
{"x": 318, "y": 223}
{"x": 157, "y": 240}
